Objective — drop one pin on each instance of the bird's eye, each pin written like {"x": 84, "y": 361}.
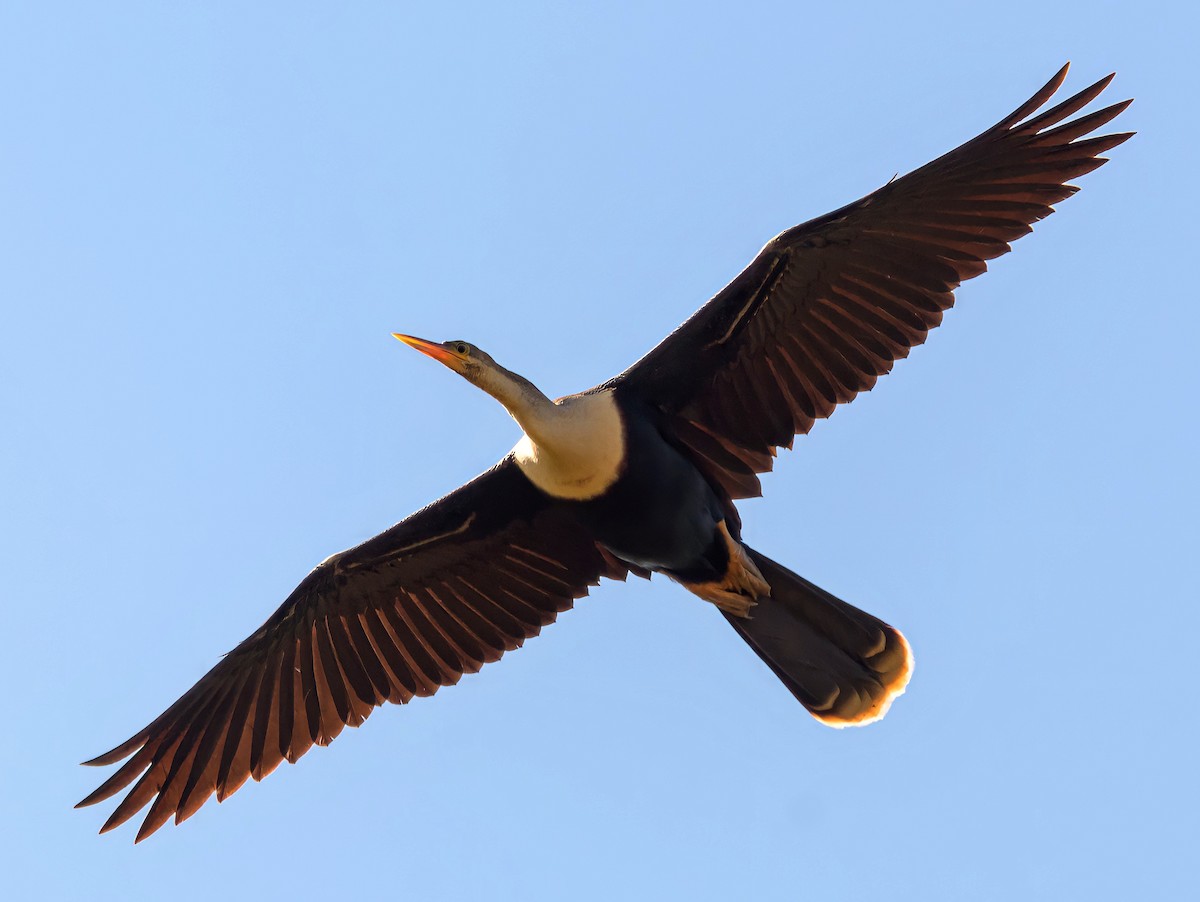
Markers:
{"x": 461, "y": 348}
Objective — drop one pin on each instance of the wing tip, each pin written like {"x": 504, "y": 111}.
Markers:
{"x": 147, "y": 829}
{"x": 122, "y": 751}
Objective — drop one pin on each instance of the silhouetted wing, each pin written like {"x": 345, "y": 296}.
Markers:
{"x": 828, "y": 306}
{"x": 438, "y": 595}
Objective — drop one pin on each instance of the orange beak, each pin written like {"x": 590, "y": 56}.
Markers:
{"x": 428, "y": 348}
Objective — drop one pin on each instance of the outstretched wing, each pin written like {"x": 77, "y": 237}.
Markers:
{"x": 438, "y": 595}
{"x": 828, "y": 306}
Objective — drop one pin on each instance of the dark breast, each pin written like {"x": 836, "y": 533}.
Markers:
{"x": 660, "y": 513}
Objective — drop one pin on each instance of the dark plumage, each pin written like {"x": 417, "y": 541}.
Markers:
{"x": 637, "y": 475}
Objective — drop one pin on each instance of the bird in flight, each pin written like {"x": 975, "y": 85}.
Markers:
{"x": 638, "y": 475}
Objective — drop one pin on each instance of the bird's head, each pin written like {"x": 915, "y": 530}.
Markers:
{"x": 519, "y": 396}
{"x": 516, "y": 393}
{"x": 461, "y": 356}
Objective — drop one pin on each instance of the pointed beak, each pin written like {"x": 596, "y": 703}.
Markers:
{"x": 428, "y": 348}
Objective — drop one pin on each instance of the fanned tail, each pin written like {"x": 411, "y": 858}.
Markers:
{"x": 845, "y": 666}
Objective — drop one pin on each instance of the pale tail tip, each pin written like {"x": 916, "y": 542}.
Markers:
{"x": 893, "y": 689}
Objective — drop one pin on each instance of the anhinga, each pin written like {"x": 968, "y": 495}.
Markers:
{"x": 637, "y": 475}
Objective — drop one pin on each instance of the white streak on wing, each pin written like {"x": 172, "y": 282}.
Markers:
{"x": 394, "y": 553}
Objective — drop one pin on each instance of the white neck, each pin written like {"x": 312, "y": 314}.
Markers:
{"x": 521, "y": 398}
{"x": 573, "y": 447}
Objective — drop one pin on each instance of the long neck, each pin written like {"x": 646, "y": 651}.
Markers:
{"x": 521, "y": 398}
{"x": 573, "y": 449}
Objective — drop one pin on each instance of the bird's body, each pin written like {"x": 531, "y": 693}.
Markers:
{"x": 656, "y": 511}
{"x": 638, "y": 475}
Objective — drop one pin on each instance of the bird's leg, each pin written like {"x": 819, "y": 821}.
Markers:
{"x": 742, "y": 585}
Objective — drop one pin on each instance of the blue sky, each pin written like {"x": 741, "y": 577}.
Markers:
{"x": 215, "y": 216}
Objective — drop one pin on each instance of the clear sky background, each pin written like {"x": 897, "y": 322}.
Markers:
{"x": 214, "y": 215}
